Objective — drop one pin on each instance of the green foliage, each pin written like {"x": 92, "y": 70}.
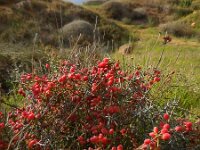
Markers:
{"x": 186, "y": 3}
{"x": 77, "y": 31}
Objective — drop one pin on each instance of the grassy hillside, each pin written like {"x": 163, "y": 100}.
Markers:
{"x": 21, "y": 21}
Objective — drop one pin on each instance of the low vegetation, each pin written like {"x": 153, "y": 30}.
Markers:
{"x": 178, "y": 29}
{"x": 93, "y": 100}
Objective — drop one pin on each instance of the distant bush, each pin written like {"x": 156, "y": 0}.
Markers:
{"x": 180, "y": 12}
{"x": 38, "y": 5}
{"x": 94, "y": 2}
{"x": 126, "y": 12}
{"x": 178, "y": 29}
{"x": 78, "y": 28}
{"x": 116, "y": 10}
{"x": 139, "y": 13}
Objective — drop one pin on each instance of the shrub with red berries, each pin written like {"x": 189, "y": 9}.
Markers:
{"x": 98, "y": 107}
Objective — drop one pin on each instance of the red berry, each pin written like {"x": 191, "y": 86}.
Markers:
{"x": 104, "y": 140}
{"x": 147, "y": 141}
{"x": 111, "y": 131}
{"x": 104, "y": 131}
{"x": 188, "y": 129}
{"x": 31, "y": 116}
{"x": 166, "y": 136}
{"x": 120, "y": 147}
{"x": 62, "y": 78}
{"x": 188, "y": 124}
{"x": 178, "y": 128}
{"x": 152, "y": 134}
{"x": 114, "y": 148}
{"x": 47, "y": 66}
{"x": 156, "y": 79}
{"x": 155, "y": 129}
{"x": 166, "y": 116}
{"x": 2, "y": 125}
{"x": 80, "y": 138}
{"x": 100, "y": 136}
{"x": 94, "y": 139}
{"x": 32, "y": 143}
{"x": 123, "y": 131}
{"x": 110, "y": 82}
{"x": 164, "y": 130}
{"x": 161, "y": 124}
{"x": 106, "y": 60}
{"x": 166, "y": 126}
{"x": 102, "y": 64}
{"x": 85, "y": 78}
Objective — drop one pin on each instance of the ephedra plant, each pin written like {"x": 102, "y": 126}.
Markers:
{"x": 66, "y": 106}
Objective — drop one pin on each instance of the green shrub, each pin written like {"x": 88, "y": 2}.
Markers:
{"x": 139, "y": 13}
{"x": 94, "y": 2}
{"x": 116, "y": 10}
{"x": 178, "y": 29}
{"x": 77, "y": 29}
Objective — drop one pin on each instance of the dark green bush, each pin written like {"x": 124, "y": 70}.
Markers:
{"x": 117, "y": 10}
{"x": 78, "y": 29}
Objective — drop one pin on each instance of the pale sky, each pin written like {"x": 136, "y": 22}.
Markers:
{"x": 76, "y": 1}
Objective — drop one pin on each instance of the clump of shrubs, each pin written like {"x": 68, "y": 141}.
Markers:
{"x": 178, "y": 29}
{"x": 78, "y": 30}
{"x": 116, "y": 10}
{"x": 126, "y": 12}
{"x": 98, "y": 107}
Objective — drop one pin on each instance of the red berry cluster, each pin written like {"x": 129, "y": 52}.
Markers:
{"x": 164, "y": 132}
{"x": 3, "y": 143}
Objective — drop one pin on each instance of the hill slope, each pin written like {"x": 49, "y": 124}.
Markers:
{"x": 21, "y": 21}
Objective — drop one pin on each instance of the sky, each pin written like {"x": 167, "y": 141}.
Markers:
{"x": 76, "y": 1}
